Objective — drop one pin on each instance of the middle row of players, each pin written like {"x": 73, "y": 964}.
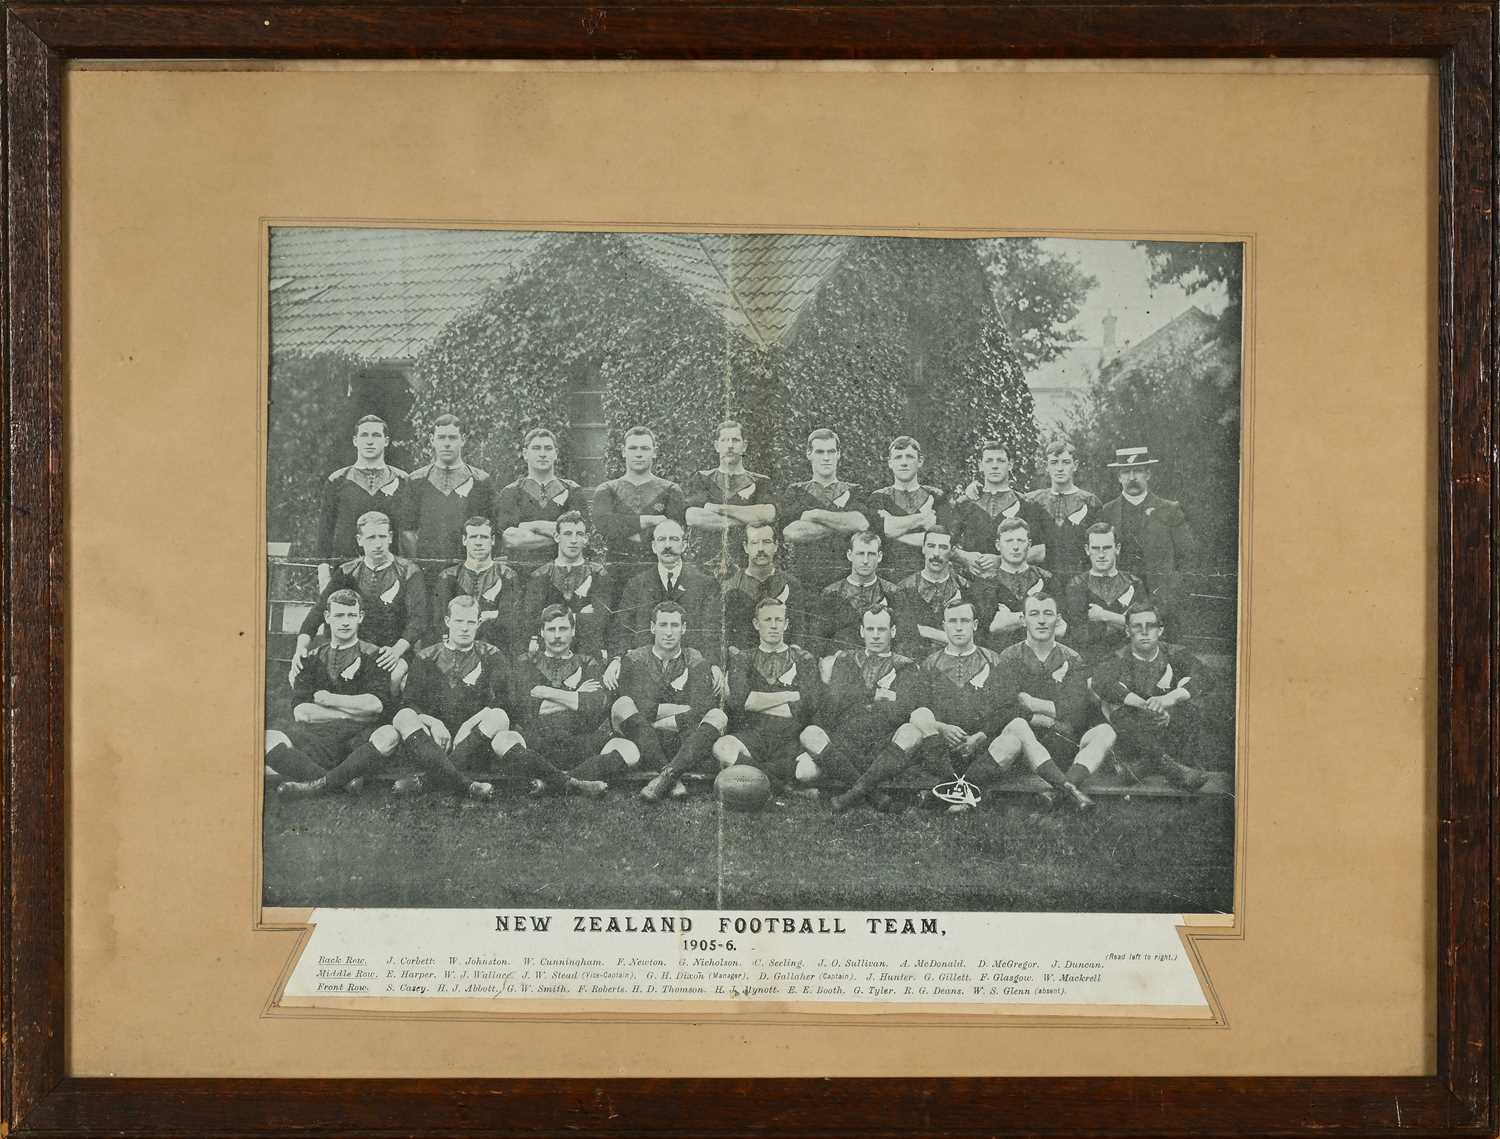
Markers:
{"x": 402, "y": 613}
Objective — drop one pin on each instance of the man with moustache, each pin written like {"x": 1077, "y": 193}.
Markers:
{"x": 666, "y": 705}
{"x": 818, "y": 515}
{"x": 1151, "y": 691}
{"x": 628, "y": 508}
{"x": 527, "y": 510}
{"x": 452, "y": 724}
{"x": 907, "y": 508}
{"x": 983, "y": 506}
{"x": 1064, "y": 512}
{"x": 723, "y": 500}
{"x": 583, "y": 586}
{"x": 1001, "y": 597}
{"x": 494, "y": 584}
{"x": 858, "y": 742}
{"x": 925, "y": 594}
{"x": 439, "y": 496}
{"x": 759, "y": 579}
{"x": 839, "y": 621}
{"x": 1097, "y": 600}
{"x": 1156, "y": 541}
{"x": 1049, "y": 720}
{"x": 773, "y": 694}
{"x": 670, "y": 579}
{"x": 391, "y": 592}
{"x": 368, "y": 483}
{"x": 337, "y": 697}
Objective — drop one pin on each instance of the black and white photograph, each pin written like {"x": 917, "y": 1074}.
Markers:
{"x": 731, "y": 571}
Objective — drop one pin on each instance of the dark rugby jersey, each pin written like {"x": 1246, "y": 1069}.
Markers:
{"x": 742, "y": 488}
{"x": 1173, "y": 667}
{"x": 394, "y": 597}
{"x": 741, "y": 594}
{"x": 1061, "y": 677}
{"x": 1062, "y": 522}
{"x": 924, "y": 600}
{"x": 348, "y": 671}
{"x": 569, "y": 672}
{"x": 616, "y": 513}
{"x": 686, "y": 678}
{"x": 527, "y": 500}
{"x": 435, "y": 502}
{"x": 963, "y": 689}
{"x": 585, "y": 589}
{"x": 857, "y": 675}
{"x": 901, "y": 559}
{"x": 792, "y": 668}
{"x": 977, "y": 517}
{"x": 1116, "y": 593}
{"x": 501, "y": 602}
{"x": 1010, "y": 590}
{"x": 452, "y": 685}
{"x": 822, "y": 562}
{"x": 841, "y": 609}
{"x": 350, "y": 492}
{"x": 694, "y": 590}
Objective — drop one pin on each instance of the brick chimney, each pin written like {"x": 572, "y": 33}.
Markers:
{"x": 1107, "y": 348}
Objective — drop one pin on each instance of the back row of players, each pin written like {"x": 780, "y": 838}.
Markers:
{"x": 755, "y": 632}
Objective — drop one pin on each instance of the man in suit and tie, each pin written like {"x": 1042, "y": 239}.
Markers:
{"x": 670, "y": 579}
{"x": 1156, "y": 541}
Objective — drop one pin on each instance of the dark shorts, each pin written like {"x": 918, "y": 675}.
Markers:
{"x": 328, "y": 744}
{"x": 1138, "y": 738}
{"x": 860, "y": 737}
{"x": 773, "y": 746}
{"x": 564, "y": 740}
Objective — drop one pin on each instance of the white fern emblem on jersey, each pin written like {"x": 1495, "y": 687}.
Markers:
{"x": 353, "y": 670}
{"x": 1128, "y": 596}
{"x": 680, "y": 683}
{"x": 1036, "y": 587}
{"x": 390, "y": 594}
{"x": 463, "y": 488}
{"x": 473, "y": 677}
{"x": 842, "y": 500}
{"x": 494, "y": 591}
{"x": 1061, "y": 672}
{"x": 790, "y": 675}
{"x": 746, "y": 492}
{"x": 977, "y": 681}
{"x": 960, "y": 792}
{"x": 576, "y": 679}
{"x": 584, "y": 587}
{"x": 1078, "y": 515}
{"x": 786, "y": 591}
{"x": 887, "y": 682}
{"x": 390, "y": 487}
{"x": 1165, "y": 683}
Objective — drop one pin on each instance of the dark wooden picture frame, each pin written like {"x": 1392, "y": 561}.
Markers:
{"x": 38, "y": 1096}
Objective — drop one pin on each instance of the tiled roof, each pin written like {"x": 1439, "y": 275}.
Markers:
{"x": 385, "y": 294}
{"x": 757, "y": 283}
{"x": 1184, "y": 332}
{"x": 382, "y": 294}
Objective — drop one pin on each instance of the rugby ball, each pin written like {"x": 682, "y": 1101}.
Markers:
{"x": 743, "y": 788}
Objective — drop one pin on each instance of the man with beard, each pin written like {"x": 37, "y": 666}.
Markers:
{"x": 628, "y": 508}
{"x": 1050, "y": 721}
{"x": 527, "y": 510}
{"x": 817, "y": 516}
{"x": 1151, "y": 692}
{"x": 583, "y": 586}
{"x": 452, "y": 724}
{"x": 761, "y": 578}
{"x": 983, "y": 506}
{"x": 391, "y": 592}
{"x": 863, "y": 737}
{"x": 725, "y": 499}
{"x": 666, "y": 705}
{"x": 670, "y": 579}
{"x": 840, "y": 617}
{"x": 439, "y": 496}
{"x": 925, "y": 594}
{"x": 773, "y": 694}
{"x": 1064, "y": 513}
{"x": 1001, "y": 597}
{"x": 1096, "y": 601}
{"x": 493, "y": 583}
{"x": 907, "y": 508}
{"x": 367, "y": 484}
{"x": 1156, "y": 542}
{"x": 337, "y": 698}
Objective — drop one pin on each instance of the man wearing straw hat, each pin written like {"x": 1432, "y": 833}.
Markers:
{"x": 1155, "y": 539}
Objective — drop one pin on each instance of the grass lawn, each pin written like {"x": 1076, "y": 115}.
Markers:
{"x": 1141, "y": 855}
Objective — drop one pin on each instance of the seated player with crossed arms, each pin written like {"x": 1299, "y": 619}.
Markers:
{"x": 773, "y": 694}
{"x": 337, "y": 697}
{"x": 863, "y": 738}
{"x": 1049, "y": 719}
{"x": 493, "y": 583}
{"x": 1151, "y": 693}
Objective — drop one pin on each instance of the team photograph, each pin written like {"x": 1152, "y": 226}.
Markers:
{"x": 744, "y": 571}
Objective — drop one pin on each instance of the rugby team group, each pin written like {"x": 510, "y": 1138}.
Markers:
{"x": 844, "y": 642}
